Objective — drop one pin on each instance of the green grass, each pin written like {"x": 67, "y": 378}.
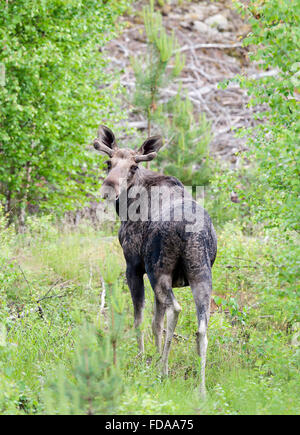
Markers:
{"x": 253, "y": 353}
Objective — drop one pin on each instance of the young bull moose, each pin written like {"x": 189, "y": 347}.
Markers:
{"x": 159, "y": 240}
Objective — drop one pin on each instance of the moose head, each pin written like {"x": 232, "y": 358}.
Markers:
{"x": 123, "y": 163}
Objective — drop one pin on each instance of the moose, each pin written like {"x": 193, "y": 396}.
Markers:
{"x": 157, "y": 243}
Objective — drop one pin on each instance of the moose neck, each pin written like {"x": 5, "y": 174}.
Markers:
{"x": 134, "y": 205}
{"x": 142, "y": 175}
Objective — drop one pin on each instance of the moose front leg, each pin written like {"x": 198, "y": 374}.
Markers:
{"x": 136, "y": 285}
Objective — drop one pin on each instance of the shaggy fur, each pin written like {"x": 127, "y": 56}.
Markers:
{"x": 162, "y": 247}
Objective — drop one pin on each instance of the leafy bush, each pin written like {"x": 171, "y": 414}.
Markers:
{"x": 51, "y": 63}
{"x": 253, "y": 359}
{"x": 186, "y": 154}
{"x": 93, "y": 385}
{"x": 272, "y": 191}
{"x": 151, "y": 74}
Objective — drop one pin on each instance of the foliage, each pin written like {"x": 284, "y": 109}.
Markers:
{"x": 95, "y": 384}
{"x": 50, "y": 54}
{"x": 186, "y": 154}
{"x": 151, "y": 75}
{"x": 60, "y": 355}
{"x": 253, "y": 360}
{"x": 251, "y": 363}
{"x": 272, "y": 193}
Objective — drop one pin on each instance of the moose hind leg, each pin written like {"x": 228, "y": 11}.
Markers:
{"x": 202, "y": 293}
{"x": 202, "y": 343}
{"x": 172, "y": 309}
{"x": 158, "y": 323}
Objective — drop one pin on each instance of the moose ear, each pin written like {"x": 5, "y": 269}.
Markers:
{"x": 106, "y": 141}
{"x": 151, "y": 145}
{"x": 106, "y": 136}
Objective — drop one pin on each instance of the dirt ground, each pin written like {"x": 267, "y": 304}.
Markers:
{"x": 210, "y": 35}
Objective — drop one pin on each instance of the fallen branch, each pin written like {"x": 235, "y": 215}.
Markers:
{"x": 56, "y": 296}
{"x": 219, "y": 46}
{"x": 39, "y": 308}
{"x": 230, "y": 266}
{"x": 46, "y": 294}
{"x": 103, "y": 294}
{"x": 62, "y": 285}
{"x": 26, "y": 280}
{"x": 176, "y": 336}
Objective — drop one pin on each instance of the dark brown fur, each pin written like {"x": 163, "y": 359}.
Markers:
{"x": 170, "y": 255}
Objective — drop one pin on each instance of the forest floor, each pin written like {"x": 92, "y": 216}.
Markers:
{"x": 253, "y": 351}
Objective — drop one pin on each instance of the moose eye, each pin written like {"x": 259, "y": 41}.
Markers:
{"x": 108, "y": 165}
{"x": 133, "y": 169}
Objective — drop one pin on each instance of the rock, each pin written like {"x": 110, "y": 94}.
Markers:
{"x": 204, "y": 28}
{"x": 234, "y": 198}
{"x": 166, "y": 9}
{"x": 295, "y": 341}
{"x": 138, "y": 19}
{"x": 187, "y": 25}
{"x": 197, "y": 12}
{"x": 218, "y": 21}
{"x": 176, "y": 17}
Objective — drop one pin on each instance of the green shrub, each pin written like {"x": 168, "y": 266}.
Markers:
{"x": 272, "y": 191}
{"x": 50, "y": 104}
{"x": 91, "y": 385}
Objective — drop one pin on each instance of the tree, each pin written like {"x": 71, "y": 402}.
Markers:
{"x": 186, "y": 155}
{"x": 273, "y": 197}
{"x": 151, "y": 74}
{"x": 187, "y": 140}
{"x": 50, "y": 61}
{"x": 92, "y": 385}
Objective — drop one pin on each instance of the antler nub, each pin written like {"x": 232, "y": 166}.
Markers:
{"x": 145, "y": 157}
{"x": 101, "y": 147}
{"x": 106, "y": 141}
